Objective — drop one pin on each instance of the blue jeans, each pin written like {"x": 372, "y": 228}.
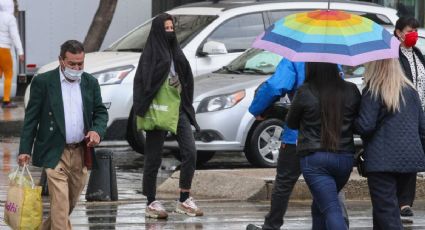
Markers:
{"x": 326, "y": 174}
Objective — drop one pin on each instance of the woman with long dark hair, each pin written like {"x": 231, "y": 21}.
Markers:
{"x": 163, "y": 60}
{"x": 323, "y": 110}
{"x": 392, "y": 126}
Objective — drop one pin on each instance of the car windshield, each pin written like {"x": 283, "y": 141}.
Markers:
{"x": 253, "y": 61}
{"x": 186, "y": 27}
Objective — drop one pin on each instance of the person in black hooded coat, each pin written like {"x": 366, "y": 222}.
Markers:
{"x": 162, "y": 60}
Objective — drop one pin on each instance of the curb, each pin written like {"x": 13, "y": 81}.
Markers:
{"x": 257, "y": 184}
{"x": 225, "y": 184}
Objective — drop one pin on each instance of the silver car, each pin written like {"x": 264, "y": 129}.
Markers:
{"x": 221, "y": 102}
{"x": 222, "y": 99}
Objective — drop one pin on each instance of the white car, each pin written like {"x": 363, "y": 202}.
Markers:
{"x": 211, "y": 36}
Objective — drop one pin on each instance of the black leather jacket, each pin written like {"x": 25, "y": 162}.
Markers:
{"x": 304, "y": 115}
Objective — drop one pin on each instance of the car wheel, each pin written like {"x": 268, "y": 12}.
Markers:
{"x": 135, "y": 139}
{"x": 264, "y": 143}
{"x": 202, "y": 157}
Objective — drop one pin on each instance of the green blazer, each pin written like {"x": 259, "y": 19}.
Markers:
{"x": 43, "y": 133}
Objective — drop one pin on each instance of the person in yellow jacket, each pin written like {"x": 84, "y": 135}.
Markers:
{"x": 9, "y": 37}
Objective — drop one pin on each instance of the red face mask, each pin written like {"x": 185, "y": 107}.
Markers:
{"x": 410, "y": 38}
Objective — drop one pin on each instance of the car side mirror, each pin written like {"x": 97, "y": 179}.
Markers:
{"x": 213, "y": 48}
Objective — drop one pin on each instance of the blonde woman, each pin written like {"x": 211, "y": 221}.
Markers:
{"x": 392, "y": 125}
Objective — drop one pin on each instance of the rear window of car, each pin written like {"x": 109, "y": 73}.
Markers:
{"x": 377, "y": 18}
{"x": 186, "y": 26}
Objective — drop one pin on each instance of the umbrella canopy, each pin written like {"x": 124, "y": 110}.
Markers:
{"x": 328, "y": 36}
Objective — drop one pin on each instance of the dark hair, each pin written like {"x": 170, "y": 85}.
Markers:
{"x": 72, "y": 46}
{"x": 169, "y": 17}
{"x": 326, "y": 79}
{"x": 405, "y": 21}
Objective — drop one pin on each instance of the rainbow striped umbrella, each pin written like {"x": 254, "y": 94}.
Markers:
{"x": 328, "y": 36}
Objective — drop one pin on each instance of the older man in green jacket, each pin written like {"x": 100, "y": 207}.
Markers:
{"x": 65, "y": 114}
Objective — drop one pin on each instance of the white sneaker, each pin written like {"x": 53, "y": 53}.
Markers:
{"x": 188, "y": 207}
{"x": 156, "y": 210}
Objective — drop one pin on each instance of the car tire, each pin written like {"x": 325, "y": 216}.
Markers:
{"x": 135, "y": 139}
{"x": 264, "y": 143}
{"x": 202, "y": 157}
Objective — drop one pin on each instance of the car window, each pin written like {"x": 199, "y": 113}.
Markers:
{"x": 186, "y": 26}
{"x": 264, "y": 61}
{"x": 378, "y": 18}
{"x": 237, "y": 34}
{"x": 353, "y": 71}
{"x": 253, "y": 61}
{"x": 276, "y": 15}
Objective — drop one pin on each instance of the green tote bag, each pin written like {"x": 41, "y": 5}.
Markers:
{"x": 163, "y": 113}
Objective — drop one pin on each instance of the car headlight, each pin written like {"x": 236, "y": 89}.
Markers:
{"x": 220, "y": 102}
{"x": 114, "y": 75}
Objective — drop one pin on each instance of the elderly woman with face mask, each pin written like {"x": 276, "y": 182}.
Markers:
{"x": 412, "y": 62}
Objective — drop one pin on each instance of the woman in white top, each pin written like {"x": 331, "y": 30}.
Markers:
{"x": 9, "y": 37}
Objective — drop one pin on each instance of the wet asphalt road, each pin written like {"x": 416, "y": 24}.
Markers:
{"x": 128, "y": 212}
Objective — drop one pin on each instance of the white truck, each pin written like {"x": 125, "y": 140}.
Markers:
{"x": 46, "y": 24}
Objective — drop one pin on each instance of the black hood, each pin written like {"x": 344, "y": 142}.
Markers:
{"x": 154, "y": 67}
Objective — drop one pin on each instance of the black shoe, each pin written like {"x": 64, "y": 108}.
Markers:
{"x": 253, "y": 227}
{"x": 9, "y": 105}
{"x": 407, "y": 211}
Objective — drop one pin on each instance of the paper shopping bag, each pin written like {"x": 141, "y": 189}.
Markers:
{"x": 24, "y": 206}
{"x": 13, "y": 206}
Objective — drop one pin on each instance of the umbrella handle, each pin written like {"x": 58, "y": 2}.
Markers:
{"x": 329, "y": 4}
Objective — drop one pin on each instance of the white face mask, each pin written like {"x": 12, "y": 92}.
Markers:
{"x": 72, "y": 74}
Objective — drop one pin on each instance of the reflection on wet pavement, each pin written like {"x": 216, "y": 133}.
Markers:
{"x": 8, "y": 156}
{"x": 107, "y": 214}
{"x": 13, "y": 114}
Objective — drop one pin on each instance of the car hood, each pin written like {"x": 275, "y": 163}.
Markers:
{"x": 216, "y": 84}
{"x": 98, "y": 61}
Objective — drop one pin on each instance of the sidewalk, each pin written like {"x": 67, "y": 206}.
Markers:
{"x": 229, "y": 214}
{"x": 224, "y": 212}
{"x": 257, "y": 184}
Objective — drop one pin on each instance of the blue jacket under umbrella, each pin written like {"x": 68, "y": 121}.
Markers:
{"x": 288, "y": 77}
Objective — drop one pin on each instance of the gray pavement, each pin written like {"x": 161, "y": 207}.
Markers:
{"x": 11, "y": 120}
{"x": 128, "y": 212}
